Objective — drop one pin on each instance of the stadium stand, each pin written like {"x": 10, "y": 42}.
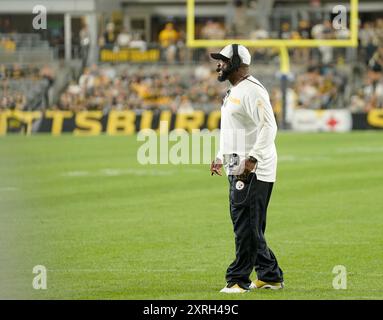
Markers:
{"x": 183, "y": 78}
{"x": 25, "y": 86}
{"x": 109, "y": 87}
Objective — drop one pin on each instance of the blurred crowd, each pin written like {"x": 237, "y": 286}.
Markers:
{"x": 368, "y": 94}
{"x": 321, "y": 86}
{"x": 171, "y": 40}
{"x": 17, "y": 71}
{"x": 7, "y": 44}
{"x": 25, "y": 86}
{"x": 15, "y": 100}
{"x": 330, "y": 87}
{"x": 105, "y": 88}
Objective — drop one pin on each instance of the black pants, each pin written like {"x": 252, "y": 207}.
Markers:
{"x": 249, "y": 199}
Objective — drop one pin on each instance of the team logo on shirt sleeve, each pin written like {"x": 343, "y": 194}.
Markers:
{"x": 235, "y": 100}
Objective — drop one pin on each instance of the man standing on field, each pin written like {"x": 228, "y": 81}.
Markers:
{"x": 248, "y": 153}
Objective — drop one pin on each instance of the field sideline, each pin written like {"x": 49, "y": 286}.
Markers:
{"x": 106, "y": 227}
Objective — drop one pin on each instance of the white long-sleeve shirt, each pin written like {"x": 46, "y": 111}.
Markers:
{"x": 248, "y": 128}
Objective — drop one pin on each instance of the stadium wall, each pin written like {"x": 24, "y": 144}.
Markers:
{"x": 86, "y": 123}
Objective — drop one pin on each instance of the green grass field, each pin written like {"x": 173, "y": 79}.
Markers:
{"x": 106, "y": 227}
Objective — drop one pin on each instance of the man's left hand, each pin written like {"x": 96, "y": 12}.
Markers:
{"x": 249, "y": 166}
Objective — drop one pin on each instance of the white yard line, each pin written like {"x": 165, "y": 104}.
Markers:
{"x": 321, "y": 242}
{"x": 293, "y": 158}
{"x": 124, "y": 270}
{"x": 76, "y": 173}
{"x": 361, "y": 149}
{"x": 116, "y": 172}
{"x": 5, "y": 189}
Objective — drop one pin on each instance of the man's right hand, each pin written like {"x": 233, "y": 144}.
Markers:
{"x": 216, "y": 167}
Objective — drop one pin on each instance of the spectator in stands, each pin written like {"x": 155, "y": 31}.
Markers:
{"x": 373, "y": 89}
{"x": 168, "y": 38}
{"x": 302, "y": 55}
{"x": 138, "y": 42}
{"x": 2, "y": 72}
{"x": 259, "y": 33}
{"x": 327, "y": 53}
{"x": 239, "y": 26}
{"x": 48, "y": 76}
{"x": 357, "y": 102}
{"x": 181, "y": 46}
{"x": 260, "y": 53}
{"x": 212, "y": 30}
{"x": 202, "y": 72}
{"x": 84, "y": 45}
{"x": 124, "y": 38}
{"x": 185, "y": 105}
{"x": 307, "y": 88}
{"x": 101, "y": 41}
{"x": 5, "y": 26}
{"x": 376, "y": 62}
{"x": 304, "y": 29}
{"x": 20, "y": 101}
{"x": 6, "y": 103}
{"x": 328, "y": 90}
{"x": 285, "y": 32}
{"x": 109, "y": 36}
{"x": 328, "y": 31}
{"x": 8, "y": 44}
{"x": 379, "y": 30}
{"x": 17, "y": 71}
{"x": 317, "y": 33}
{"x": 86, "y": 80}
{"x": 368, "y": 40}
{"x": 119, "y": 103}
{"x": 342, "y": 33}
{"x": 315, "y": 10}
{"x": 64, "y": 102}
{"x": 74, "y": 88}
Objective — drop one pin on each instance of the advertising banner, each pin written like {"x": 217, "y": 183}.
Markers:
{"x": 322, "y": 120}
{"x": 129, "y": 122}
